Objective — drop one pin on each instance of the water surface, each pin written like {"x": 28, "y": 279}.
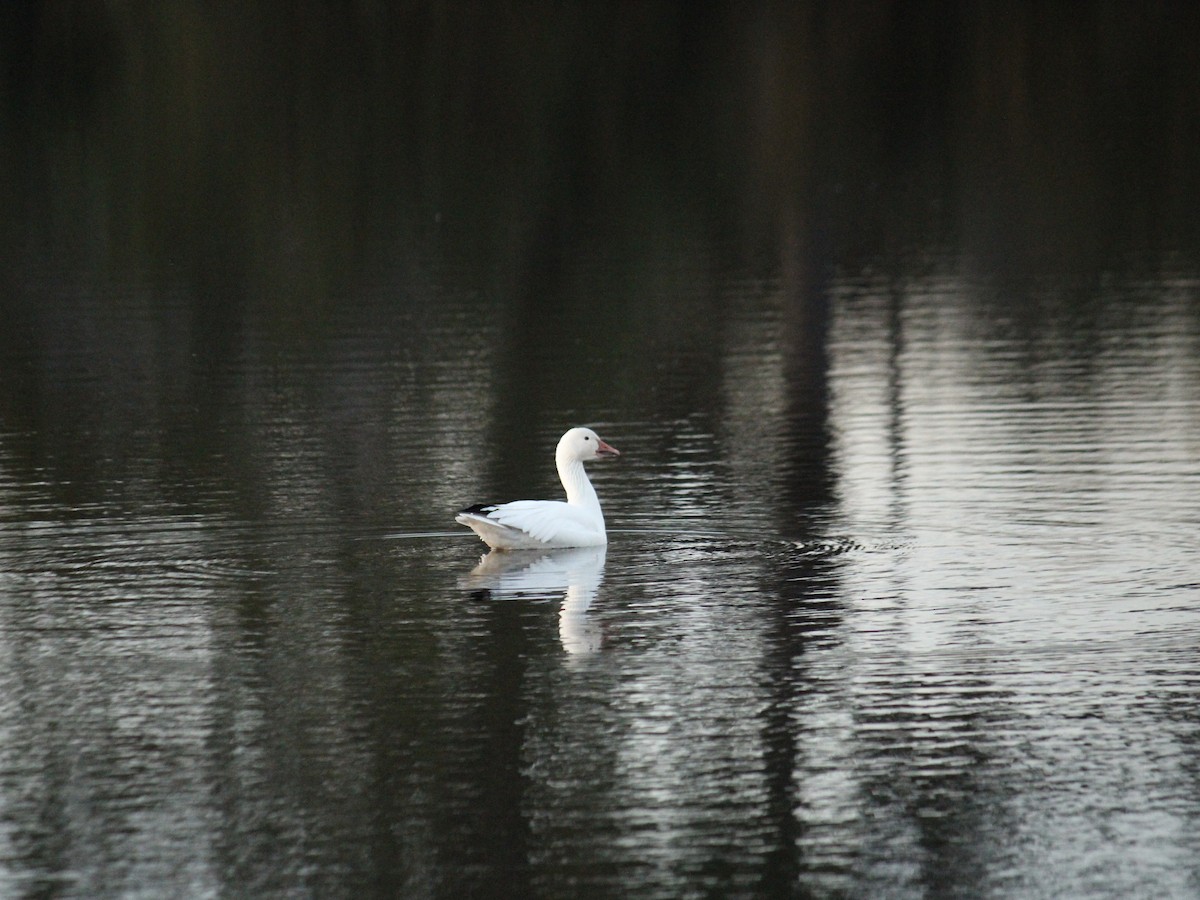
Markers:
{"x": 901, "y": 595}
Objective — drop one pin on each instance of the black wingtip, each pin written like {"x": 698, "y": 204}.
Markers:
{"x": 481, "y": 509}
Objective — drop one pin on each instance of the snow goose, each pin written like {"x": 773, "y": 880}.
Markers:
{"x": 541, "y": 524}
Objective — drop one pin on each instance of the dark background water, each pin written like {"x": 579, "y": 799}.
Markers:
{"x": 893, "y": 309}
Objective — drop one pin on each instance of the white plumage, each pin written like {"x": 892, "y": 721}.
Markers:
{"x": 540, "y": 524}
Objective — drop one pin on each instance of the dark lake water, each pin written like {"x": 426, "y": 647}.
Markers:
{"x": 896, "y": 322}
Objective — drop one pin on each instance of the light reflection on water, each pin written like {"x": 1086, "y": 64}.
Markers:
{"x": 969, "y": 665}
{"x": 901, "y": 598}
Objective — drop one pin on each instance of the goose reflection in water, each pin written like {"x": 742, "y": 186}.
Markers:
{"x": 574, "y": 575}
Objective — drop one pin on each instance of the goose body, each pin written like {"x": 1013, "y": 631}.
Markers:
{"x": 542, "y": 524}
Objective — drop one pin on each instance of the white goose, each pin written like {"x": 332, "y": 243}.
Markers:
{"x": 540, "y": 524}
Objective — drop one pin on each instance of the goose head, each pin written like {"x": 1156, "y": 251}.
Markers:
{"x": 583, "y": 444}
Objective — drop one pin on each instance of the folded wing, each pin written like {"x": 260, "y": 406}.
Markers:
{"x": 531, "y": 524}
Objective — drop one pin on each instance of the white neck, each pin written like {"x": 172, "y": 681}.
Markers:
{"x": 579, "y": 487}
